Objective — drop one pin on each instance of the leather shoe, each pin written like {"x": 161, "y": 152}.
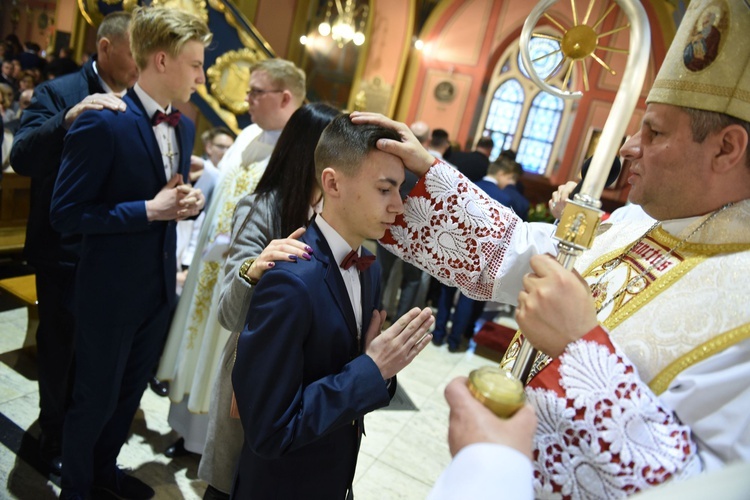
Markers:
{"x": 55, "y": 466}
{"x": 177, "y": 449}
{"x": 159, "y": 387}
{"x": 214, "y": 494}
{"x": 124, "y": 487}
{"x": 51, "y": 453}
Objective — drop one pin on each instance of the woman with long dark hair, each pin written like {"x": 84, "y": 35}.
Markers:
{"x": 281, "y": 205}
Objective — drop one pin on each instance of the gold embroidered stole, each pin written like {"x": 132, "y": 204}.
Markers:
{"x": 236, "y": 182}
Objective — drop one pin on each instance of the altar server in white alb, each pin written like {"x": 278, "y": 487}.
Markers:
{"x": 645, "y": 378}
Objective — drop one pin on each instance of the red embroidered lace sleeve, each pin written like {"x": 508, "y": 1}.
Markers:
{"x": 602, "y": 432}
{"x": 454, "y": 231}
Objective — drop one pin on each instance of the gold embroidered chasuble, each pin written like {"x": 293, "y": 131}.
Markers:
{"x": 693, "y": 297}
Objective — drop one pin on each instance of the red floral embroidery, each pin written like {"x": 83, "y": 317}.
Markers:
{"x": 602, "y": 432}
{"x": 453, "y": 231}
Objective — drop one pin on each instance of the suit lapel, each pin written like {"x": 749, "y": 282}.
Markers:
{"x": 334, "y": 280}
{"x": 182, "y": 139}
{"x": 143, "y": 123}
{"x": 368, "y": 304}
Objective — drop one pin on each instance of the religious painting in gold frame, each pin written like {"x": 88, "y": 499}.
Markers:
{"x": 229, "y": 78}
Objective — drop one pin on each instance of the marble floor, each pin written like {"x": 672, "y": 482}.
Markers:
{"x": 401, "y": 456}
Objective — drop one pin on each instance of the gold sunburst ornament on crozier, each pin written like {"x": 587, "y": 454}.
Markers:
{"x": 580, "y": 42}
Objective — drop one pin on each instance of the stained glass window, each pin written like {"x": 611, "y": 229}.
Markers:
{"x": 505, "y": 111}
{"x": 545, "y": 55}
{"x": 539, "y": 133}
{"x": 520, "y": 116}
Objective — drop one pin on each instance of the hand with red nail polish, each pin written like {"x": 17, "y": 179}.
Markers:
{"x": 289, "y": 249}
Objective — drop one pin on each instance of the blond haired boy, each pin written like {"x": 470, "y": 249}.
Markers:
{"x": 122, "y": 184}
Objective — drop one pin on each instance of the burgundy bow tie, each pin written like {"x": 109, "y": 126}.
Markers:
{"x": 352, "y": 259}
{"x": 172, "y": 118}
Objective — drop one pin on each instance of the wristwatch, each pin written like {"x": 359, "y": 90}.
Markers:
{"x": 244, "y": 268}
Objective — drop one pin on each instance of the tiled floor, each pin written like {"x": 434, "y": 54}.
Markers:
{"x": 401, "y": 456}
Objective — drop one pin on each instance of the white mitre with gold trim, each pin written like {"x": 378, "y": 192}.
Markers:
{"x": 708, "y": 64}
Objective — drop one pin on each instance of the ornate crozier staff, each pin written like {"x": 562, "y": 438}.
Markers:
{"x": 582, "y": 216}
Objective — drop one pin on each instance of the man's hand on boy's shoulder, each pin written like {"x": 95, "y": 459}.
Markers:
{"x": 396, "y": 347}
{"x": 96, "y": 102}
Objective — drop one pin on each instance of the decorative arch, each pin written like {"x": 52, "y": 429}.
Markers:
{"x": 518, "y": 116}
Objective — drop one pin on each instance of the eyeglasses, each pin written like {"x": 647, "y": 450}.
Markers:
{"x": 255, "y": 93}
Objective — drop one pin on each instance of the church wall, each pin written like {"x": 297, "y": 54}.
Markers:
{"x": 464, "y": 40}
{"x": 274, "y": 20}
{"x": 385, "y": 55}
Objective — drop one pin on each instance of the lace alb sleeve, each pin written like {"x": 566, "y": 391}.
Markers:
{"x": 457, "y": 233}
{"x": 602, "y": 432}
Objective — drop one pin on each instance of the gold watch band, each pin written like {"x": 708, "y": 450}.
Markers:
{"x": 244, "y": 268}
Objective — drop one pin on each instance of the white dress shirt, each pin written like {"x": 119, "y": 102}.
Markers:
{"x": 107, "y": 88}
{"x": 166, "y": 136}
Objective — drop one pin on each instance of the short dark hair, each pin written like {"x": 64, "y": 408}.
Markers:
{"x": 345, "y": 145}
{"x": 508, "y": 153}
{"x": 506, "y": 165}
{"x": 439, "y": 138}
{"x": 485, "y": 143}
{"x": 703, "y": 123}
{"x": 115, "y": 26}
{"x": 210, "y": 134}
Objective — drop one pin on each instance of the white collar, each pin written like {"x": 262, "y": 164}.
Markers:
{"x": 339, "y": 247}
{"x": 107, "y": 88}
{"x": 269, "y": 137}
{"x": 149, "y": 104}
{"x": 676, "y": 226}
{"x": 491, "y": 179}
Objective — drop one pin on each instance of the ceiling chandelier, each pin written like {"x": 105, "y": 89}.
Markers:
{"x": 348, "y": 24}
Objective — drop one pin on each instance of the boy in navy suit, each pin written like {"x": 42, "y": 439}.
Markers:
{"x": 37, "y": 153}
{"x": 310, "y": 362}
{"x": 121, "y": 186}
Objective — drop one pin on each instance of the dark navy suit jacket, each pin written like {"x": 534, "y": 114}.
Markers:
{"x": 111, "y": 165}
{"x": 37, "y": 152}
{"x": 509, "y": 196}
{"x": 493, "y": 191}
{"x": 518, "y": 202}
{"x": 301, "y": 381}
{"x": 472, "y": 164}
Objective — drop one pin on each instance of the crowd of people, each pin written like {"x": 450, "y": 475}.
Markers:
{"x": 239, "y": 278}
{"x": 22, "y": 68}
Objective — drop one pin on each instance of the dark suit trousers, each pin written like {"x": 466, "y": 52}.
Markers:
{"x": 113, "y": 365}
{"x": 54, "y": 341}
{"x": 465, "y": 314}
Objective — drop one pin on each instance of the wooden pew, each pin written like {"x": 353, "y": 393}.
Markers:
{"x": 12, "y": 239}
{"x": 15, "y": 197}
{"x": 23, "y": 290}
